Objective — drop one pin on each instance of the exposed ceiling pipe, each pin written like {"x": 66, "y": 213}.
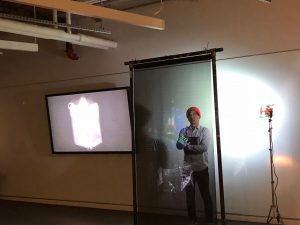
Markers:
{"x": 68, "y": 22}
{"x": 54, "y": 34}
{"x": 55, "y": 17}
{"x": 69, "y": 47}
{"x": 21, "y": 46}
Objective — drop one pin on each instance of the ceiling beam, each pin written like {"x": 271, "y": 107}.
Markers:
{"x": 84, "y": 9}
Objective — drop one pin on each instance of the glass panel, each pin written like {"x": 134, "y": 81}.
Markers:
{"x": 165, "y": 176}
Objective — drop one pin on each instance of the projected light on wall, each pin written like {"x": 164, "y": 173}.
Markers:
{"x": 243, "y": 132}
{"x": 283, "y": 161}
{"x": 85, "y": 123}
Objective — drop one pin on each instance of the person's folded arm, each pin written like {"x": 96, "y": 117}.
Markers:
{"x": 202, "y": 147}
{"x": 179, "y": 146}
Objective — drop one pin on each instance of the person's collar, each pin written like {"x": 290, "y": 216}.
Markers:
{"x": 191, "y": 127}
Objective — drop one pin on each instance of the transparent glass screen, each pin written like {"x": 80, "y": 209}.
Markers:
{"x": 166, "y": 174}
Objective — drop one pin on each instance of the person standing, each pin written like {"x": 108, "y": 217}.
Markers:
{"x": 195, "y": 140}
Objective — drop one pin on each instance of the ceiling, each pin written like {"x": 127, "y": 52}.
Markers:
{"x": 28, "y": 13}
{"x": 35, "y": 18}
{"x": 25, "y": 10}
{"x": 127, "y": 4}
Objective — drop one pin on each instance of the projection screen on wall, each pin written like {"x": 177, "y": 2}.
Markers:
{"x": 162, "y": 95}
{"x": 90, "y": 122}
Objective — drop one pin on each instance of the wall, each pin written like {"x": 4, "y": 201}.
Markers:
{"x": 259, "y": 65}
{"x": 30, "y": 172}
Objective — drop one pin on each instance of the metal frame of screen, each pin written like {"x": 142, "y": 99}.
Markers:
{"x": 199, "y": 56}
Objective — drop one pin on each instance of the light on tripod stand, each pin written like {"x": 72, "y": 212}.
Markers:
{"x": 274, "y": 214}
{"x": 267, "y": 111}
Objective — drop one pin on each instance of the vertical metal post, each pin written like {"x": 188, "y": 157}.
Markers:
{"x": 219, "y": 153}
{"x": 134, "y": 194}
{"x": 274, "y": 211}
{"x": 271, "y": 162}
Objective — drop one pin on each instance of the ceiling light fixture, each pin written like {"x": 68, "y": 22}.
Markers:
{"x": 21, "y": 46}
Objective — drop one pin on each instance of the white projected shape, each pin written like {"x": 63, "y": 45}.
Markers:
{"x": 85, "y": 123}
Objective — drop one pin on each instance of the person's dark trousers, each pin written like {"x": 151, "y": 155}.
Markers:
{"x": 202, "y": 179}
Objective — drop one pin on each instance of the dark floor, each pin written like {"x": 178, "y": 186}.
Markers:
{"x": 24, "y": 213}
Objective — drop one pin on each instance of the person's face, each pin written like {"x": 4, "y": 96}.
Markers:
{"x": 193, "y": 118}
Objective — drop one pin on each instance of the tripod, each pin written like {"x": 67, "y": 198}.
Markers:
{"x": 274, "y": 211}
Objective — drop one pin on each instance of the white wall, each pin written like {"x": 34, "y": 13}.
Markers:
{"x": 242, "y": 28}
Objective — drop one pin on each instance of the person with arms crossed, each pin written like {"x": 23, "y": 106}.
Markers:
{"x": 195, "y": 140}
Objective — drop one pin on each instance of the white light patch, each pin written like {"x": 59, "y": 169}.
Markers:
{"x": 85, "y": 123}
{"x": 243, "y": 131}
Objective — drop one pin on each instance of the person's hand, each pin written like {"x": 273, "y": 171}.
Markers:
{"x": 183, "y": 139}
{"x": 186, "y": 149}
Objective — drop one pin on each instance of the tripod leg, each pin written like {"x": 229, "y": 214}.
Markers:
{"x": 271, "y": 214}
{"x": 274, "y": 215}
